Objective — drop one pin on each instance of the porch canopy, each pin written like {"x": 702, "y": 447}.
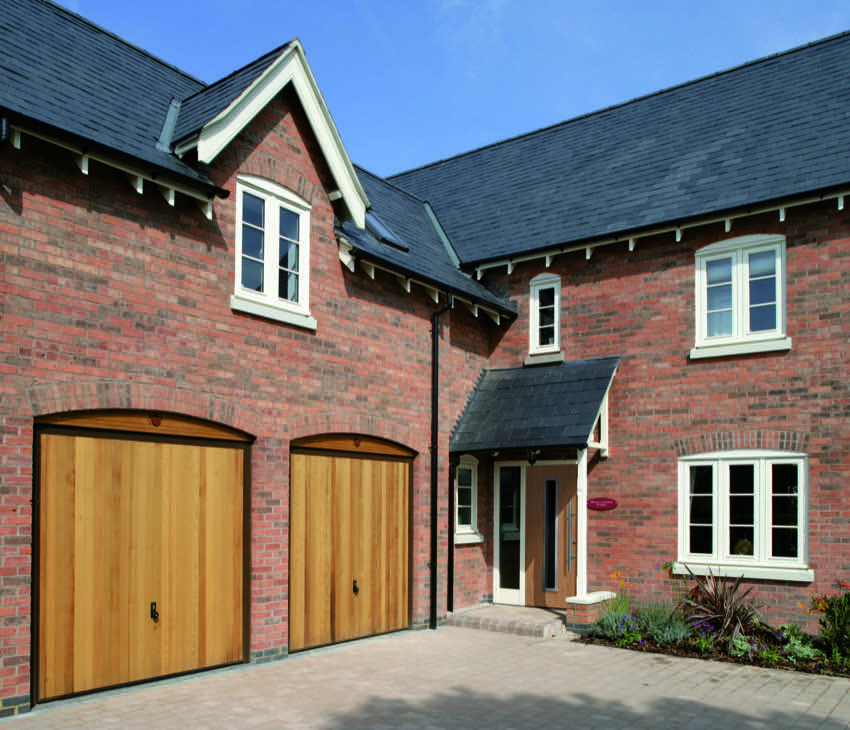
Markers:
{"x": 535, "y": 407}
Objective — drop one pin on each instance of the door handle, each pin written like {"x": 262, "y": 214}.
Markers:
{"x": 154, "y": 612}
{"x": 355, "y": 587}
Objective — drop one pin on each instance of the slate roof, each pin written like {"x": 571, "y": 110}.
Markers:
{"x": 420, "y": 251}
{"x": 535, "y": 407}
{"x": 60, "y": 70}
{"x": 209, "y": 102}
{"x": 761, "y": 132}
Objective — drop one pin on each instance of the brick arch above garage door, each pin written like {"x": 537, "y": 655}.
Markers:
{"x": 330, "y": 422}
{"x": 129, "y": 395}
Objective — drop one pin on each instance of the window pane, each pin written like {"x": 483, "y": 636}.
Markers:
{"x": 547, "y": 318}
{"x": 701, "y": 540}
{"x": 252, "y": 242}
{"x": 720, "y": 323}
{"x": 785, "y": 542}
{"x": 464, "y": 515}
{"x": 785, "y": 511}
{"x": 701, "y": 510}
{"x": 550, "y": 537}
{"x": 741, "y": 510}
{"x": 464, "y": 476}
{"x": 702, "y": 479}
{"x": 288, "y": 286}
{"x": 252, "y": 274}
{"x": 288, "y": 255}
{"x": 741, "y": 540}
{"x": 784, "y": 478}
{"x": 719, "y": 271}
{"x": 763, "y": 318}
{"x": 762, "y": 264}
{"x": 719, "y": 297}
{"x": 546, "y": 297}
{"x": 289, "y": 224}
{"x": 762, "y": 291}
{"x": 547, "y": 335}
{"x": 252, "y": 210}
{"x": 742, "y": 478}
{"x": 464, "y": 497}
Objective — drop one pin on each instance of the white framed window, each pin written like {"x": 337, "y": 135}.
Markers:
{"x": 272, "y": 273}
{"x": 466, "y": 502}
{"x": 744, "y": 513}
{"x": 545, "y": 315}
{"x": 740, "y": 296}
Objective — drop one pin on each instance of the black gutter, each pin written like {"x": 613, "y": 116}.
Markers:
{"x": 435, "y": 442}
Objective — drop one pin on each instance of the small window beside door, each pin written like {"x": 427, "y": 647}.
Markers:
{"x": 466, "y": 486}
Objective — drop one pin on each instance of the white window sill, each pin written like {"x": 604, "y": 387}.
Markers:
{"x": 800, "y": 574}
{"x": 741, "y": 348}
{"x": 543, "y": 358}
{"x": 468, "y": 536}
{"x": 271, "y": 311}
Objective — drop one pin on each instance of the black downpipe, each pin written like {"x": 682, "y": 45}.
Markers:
{"x": 450, "y": 575}
{"x": 435, "y": 443}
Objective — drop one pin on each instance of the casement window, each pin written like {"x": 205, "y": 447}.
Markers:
{"x": 466, "y": 510}
{"x": 545, "y": 315}
{"x": 272, "y": 273}
{"x": 744, "y": 513}
{"x": 740, "y": 297}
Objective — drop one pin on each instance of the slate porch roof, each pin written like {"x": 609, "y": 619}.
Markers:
{"x": 535, "y": 407}
{"x": 762, "y": 132}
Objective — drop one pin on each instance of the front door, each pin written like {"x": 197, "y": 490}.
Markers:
{"x": 551, "y": 540}
{"x": 536, "y": 534}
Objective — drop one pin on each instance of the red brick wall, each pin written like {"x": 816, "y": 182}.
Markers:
{"x": 640, "y": 305}
{"x": 112, "y": 299}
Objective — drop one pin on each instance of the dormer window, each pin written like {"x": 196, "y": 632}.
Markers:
{"x": 545, "y": 315}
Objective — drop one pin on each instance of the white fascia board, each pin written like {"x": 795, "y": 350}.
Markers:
{"x": 290, "y": 67}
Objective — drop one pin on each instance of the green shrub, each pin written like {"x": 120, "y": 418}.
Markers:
{"x": 741, "y": 646}
{"x": 834, "y": 622}
{"x": 798, "y": 644}
{"x": 720, "y": 604}
{"x": 611, "y": 625}
{"x": 662, "y": 623}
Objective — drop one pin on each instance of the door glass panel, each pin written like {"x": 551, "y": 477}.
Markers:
{"x": 509, "y": 527}
{"x": 550, "y": 536}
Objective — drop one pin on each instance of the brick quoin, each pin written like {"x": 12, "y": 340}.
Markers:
{"x": 114, "y": 300}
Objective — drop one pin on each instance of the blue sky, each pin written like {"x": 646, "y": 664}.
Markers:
{"x": 413, "y": 81}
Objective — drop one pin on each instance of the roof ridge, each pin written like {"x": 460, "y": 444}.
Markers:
{"x": 207, "y": 87}
{"x": 618, "y": 105}
{"x": 123, "y": 41}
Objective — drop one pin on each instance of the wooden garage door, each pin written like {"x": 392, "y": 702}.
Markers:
{"x": 349, "y": 547}
{"x": 126, "y": 523}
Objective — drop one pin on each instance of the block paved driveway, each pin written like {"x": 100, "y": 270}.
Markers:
{"x": 466, "y": 678}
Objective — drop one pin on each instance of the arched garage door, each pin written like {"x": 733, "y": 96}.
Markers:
{"x": 349, "y": 540}
{"x": 141, "y": 550}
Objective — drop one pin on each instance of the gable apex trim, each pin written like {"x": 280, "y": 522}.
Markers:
{"x": 290, "y": 68}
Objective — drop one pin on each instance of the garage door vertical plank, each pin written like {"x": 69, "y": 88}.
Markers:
{"x": 343, "y": 527}
{"x": 89, "y": 465}
{"x": 368, "y": 548}
{"x": 56, "y": 566}
{"x": 297, "y": 550}
{"x": 319, "y": 579}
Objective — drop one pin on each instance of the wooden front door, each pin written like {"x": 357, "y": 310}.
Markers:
{"x": 140, "y": 562}
{"x": 550, "y": 535}
{"x": 349, "y": 547}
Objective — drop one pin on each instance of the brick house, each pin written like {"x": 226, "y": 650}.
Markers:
{"x": 246, "y": 383}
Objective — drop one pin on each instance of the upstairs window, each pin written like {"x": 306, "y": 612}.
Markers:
{"x": 740, "y": 296}
{"x": 272, "y": 253}
{"x": 545, "y": 315}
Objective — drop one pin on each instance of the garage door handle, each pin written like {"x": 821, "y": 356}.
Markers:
{"x": 154, "y": 612}
{"x": 355, "y": 588}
